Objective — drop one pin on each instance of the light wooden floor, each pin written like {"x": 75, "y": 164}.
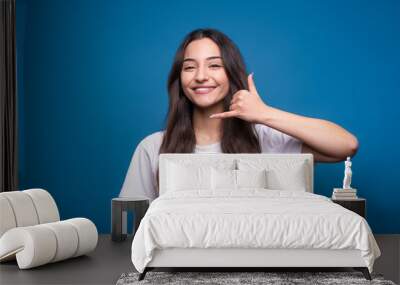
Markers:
{"x": 110, "y": 260}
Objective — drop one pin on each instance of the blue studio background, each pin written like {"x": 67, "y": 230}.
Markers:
{"x": 92, "y": 83}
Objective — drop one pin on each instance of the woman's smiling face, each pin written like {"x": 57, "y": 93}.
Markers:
{"x": 203, "y": 77}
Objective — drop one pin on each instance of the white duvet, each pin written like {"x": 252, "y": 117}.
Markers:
{"x": 251, "y": 218}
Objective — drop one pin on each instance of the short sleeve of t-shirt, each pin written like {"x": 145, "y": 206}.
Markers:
{"x": 274, "y": 141}
{"x": 140, "y": 179}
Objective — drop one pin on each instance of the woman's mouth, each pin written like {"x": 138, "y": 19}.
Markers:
{"x": 203, "y": 89}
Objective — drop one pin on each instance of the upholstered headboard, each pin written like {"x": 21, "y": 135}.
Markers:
{"x": 284, "y": 167}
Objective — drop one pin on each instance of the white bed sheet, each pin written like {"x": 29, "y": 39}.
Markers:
{"x": 250, "y": 218}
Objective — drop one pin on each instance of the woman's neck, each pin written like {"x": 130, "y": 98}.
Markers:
{"x": 207, "y": 131}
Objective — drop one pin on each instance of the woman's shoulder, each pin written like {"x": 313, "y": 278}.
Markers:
{"x": 275, "y": 141}
{"x": 264, "y": 130}
{"x": 152, "y": 142}
{"x": 153, "y": 138}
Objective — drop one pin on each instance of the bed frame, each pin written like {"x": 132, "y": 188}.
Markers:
{"x": 248, "y": 259}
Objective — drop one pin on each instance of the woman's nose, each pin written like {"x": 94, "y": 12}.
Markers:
{"x": 201, "y": 74}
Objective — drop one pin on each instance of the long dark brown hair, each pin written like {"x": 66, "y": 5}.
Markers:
{"x": 238, "y": 136}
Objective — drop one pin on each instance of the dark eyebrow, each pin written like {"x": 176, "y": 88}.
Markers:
{"x": 208, "y": 58}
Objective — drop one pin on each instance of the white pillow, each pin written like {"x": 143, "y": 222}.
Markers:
{"x": 228, "y": 179}
{"x": 185, "y": 177}
{"x": 290, "y": 179}
{"x": 251, "y": 178}
{"x": 283, "y": 174}
{"x": 223, "y": 179}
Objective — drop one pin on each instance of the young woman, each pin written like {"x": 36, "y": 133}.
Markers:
{"x": 215, "y": 107}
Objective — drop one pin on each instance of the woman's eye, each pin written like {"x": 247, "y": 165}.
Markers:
{"x": 214, "y": 66}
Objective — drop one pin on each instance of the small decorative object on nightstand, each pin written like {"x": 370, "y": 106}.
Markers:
{"x": 357, "y": 205}
{"x": 119, "y": 208}
{"x": 345, "y": 193}
{"x": 347, "y": 174}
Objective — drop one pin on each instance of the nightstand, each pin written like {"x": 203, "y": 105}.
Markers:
{"x": 358, "y": 205}
{"x": 119, "y": 208}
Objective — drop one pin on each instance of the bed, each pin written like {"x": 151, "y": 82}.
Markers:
{"x": 245, "y": 211}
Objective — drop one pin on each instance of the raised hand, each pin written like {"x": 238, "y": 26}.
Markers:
{"x": 246, "y": 105}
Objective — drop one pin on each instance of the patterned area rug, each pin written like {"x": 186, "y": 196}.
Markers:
{"x": 269, "y": 278}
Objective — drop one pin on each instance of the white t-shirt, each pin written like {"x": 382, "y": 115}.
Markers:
{"x": 140, "y": 180}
